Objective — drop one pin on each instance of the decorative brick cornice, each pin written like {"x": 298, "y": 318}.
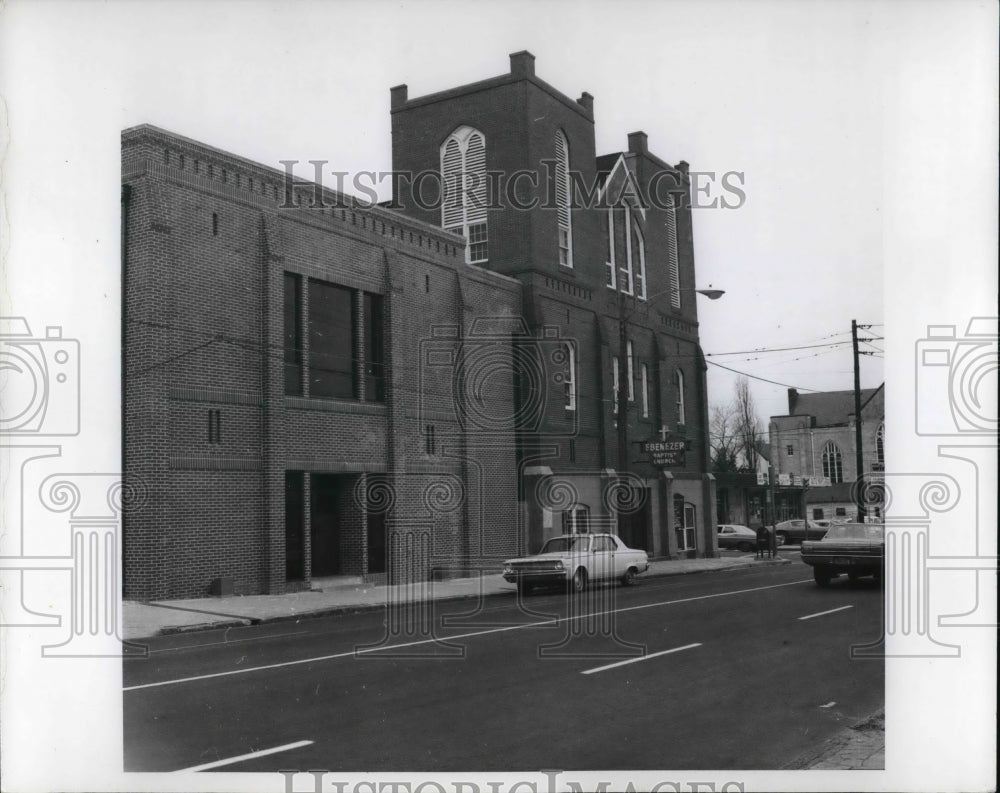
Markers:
{"x": 180, "y": 155}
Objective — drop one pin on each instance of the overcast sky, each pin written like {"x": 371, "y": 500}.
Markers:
{"x": 866, "y": 132}
{"x": 787, "y": 93}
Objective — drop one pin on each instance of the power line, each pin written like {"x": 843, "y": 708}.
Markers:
{"x": 763, "y": 379}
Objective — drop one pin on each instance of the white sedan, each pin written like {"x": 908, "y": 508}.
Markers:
{"x": 577, "y": 559}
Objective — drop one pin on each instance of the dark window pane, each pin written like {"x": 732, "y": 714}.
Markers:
{"x": 374, "y": 348}
{"x": 331, "y": 341}
{"x": 293, "y": 335}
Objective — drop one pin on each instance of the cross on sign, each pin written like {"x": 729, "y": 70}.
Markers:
{"x": 663, "y": 432}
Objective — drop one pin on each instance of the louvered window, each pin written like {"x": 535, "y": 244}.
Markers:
{"x": 563, "y": 210}
{"x": 673, "y": 269}
{"x": 463, "y": 174}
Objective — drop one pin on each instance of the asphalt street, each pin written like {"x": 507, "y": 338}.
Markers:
{"x": 740, "y": 669}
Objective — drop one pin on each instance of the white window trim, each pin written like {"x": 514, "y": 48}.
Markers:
{"x": 629, "y": 371}
{"x": 644, "y": 370}
{"x": 462, "y": 136}
{"x": 611, "y": 264}
{"x": 673, "y": 256}
{"x": 616, "y": 382}
{"x": 679, "y": 381}
{"x": 627, "y": 269}
{"x": 570, "y": 376}
{"x": 641, "y": 274}
{"x": 563, "y": 173}
{"x": 832, "y": 466}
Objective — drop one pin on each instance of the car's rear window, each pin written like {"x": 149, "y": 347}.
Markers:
{"x": 855, "y": 531}
{"x": 563, "y": 544}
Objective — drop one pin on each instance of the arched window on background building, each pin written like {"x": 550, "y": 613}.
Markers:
{"x": 832, "y": 464}
{"x": 463, "y": 174}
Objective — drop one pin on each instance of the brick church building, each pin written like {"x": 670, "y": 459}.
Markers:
{"x": 505, "y": 351}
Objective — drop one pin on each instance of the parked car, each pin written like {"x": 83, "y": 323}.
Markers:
{"x": 795, "y": 530}
{"x": 577, "y": 559}
{"x": 735, "y": 536}
{"x": 857, "y": 549}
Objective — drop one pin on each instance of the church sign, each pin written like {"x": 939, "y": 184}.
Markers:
{"x": 665, "y": 454}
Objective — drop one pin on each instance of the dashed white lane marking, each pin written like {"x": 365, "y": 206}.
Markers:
{"x": 822, "y": 613}
{"x": 365, "y": 651}
{"x": 644, "y": 658}
{"x": 828, "y": 705}
{"x": 248, "y": 756}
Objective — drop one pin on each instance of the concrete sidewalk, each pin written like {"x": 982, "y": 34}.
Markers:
{"x": 861, "y": 747}
{"x": 143, "y": 620}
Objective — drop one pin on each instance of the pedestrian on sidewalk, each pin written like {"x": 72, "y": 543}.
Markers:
{"x": 763, "y": 541}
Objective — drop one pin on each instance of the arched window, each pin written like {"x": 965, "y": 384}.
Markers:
{"x": 563, "y": 202}
{"x": 679, "y": 385}
{"x": 640, "y": 270}
{"x": 463, "y": 174}
{"x": 880, "y": 444}
{"x": 569, "y": 376}
{"x": 832, "y": 465}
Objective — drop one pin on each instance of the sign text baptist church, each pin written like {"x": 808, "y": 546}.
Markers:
{"x": 665, "y": 454}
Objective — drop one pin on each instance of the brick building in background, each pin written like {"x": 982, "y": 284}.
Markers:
{"x": 314, "y": 388}
{"x": 817, "y": 441}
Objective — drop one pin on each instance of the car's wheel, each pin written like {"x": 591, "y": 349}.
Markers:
{"x": 579, "y": 580}
{"x": 781, "y": 538}
{"x": 745, "y": 547}
{"x": 822, "y": 575}
{"x": 524, "y": 588}
{"x": 629, "y": 578}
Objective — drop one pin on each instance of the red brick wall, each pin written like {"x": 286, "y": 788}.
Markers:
{"x": 204, "y": 305}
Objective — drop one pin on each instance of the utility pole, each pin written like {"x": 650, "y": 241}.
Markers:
{"x": 858, "y": 457}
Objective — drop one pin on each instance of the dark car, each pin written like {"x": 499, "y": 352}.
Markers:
{"x": 790, "y": 531}
{"x": 857, "y": 549}
{"x": 734, "y": 536}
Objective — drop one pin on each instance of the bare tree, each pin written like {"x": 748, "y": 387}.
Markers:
{"x": 735, "y": 430}
{"x": 725, "y": 440}
{"x": 748, "y": 424}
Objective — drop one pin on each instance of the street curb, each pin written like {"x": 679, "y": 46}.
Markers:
{"x": 169, "y": 630}
{"x": 360, "y": 608}
{"x": 833, "y": 745}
